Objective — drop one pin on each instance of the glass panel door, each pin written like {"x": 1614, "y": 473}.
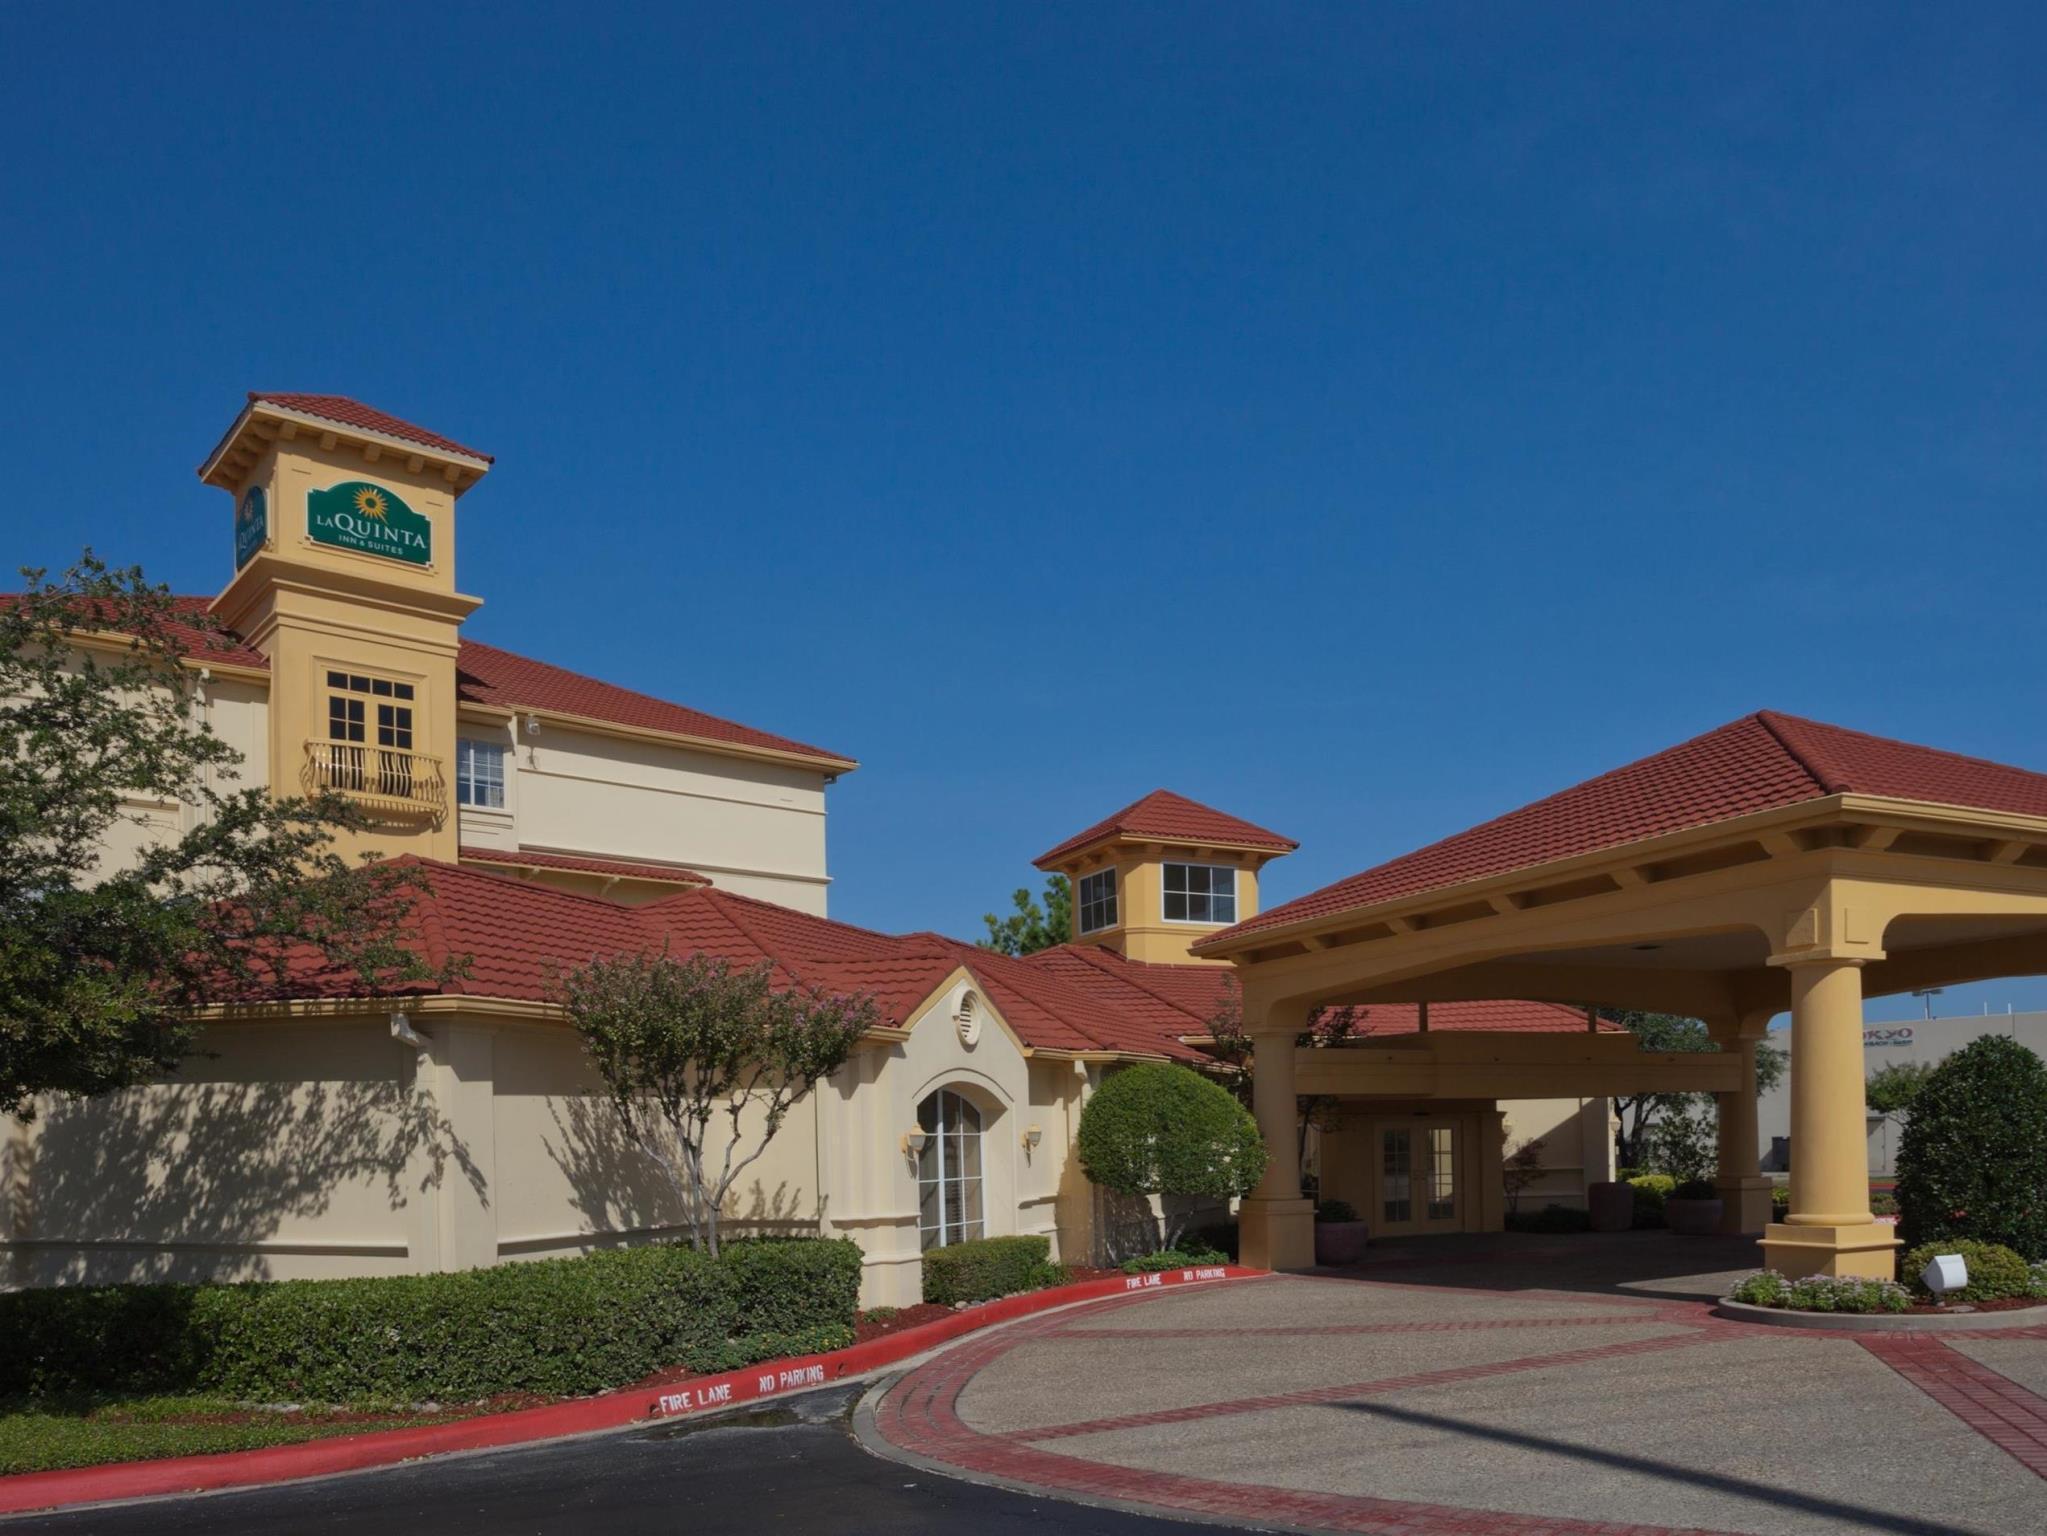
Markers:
{"x": 1442, "y": 1173}
{"x": 1396, "y": 1175}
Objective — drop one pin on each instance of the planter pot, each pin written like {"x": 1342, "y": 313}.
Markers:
{"x": 1612, "y": 1206}
{"x": 1339, "y": 1242}
{"x": 1693, "y": 1218}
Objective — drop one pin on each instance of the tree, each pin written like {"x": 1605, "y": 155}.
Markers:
{"x": 1521, "y": 1171}
{"x": 1892, "y": 1089}
{"x": 1637, "y": 1112}
{"x": 683, "y": 1044}
{"x": 1162, "y": 1129}
{"x": 1229, "y": 1043}
{"x": 1030, "y": 927}
{"x": 1973, "y": 1158}
{"x": 100, "y": 969}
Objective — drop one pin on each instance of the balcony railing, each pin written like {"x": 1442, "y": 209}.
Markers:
{"x": 384, "y": 779}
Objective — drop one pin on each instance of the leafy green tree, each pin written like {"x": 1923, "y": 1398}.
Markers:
{"x": 1030, "y": 927}
{"x": 1892, "y": 1089}
{"x": 1973, "y": 1158}
{"x": 1162, "y": 1129}
{"x": 100, "y": 968}
{"x": 1638, "y": 1112}
{"x": 686, "y": 1045}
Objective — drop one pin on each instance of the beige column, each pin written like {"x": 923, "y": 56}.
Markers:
{"x": 1744, "y": 1191}
{"x": 1829, "y": 1229}
{"x": 1275, "y": 1226}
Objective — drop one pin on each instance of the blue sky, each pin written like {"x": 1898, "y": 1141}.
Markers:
{"x": 1364, "y": 419}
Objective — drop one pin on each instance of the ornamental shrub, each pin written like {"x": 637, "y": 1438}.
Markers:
{"x": 1336, "y": 1210}
{"x": 1995, "y": 1272}
{"x": 1551, "y": 1218}
{"x": 1822, "y": 1293}
{"x": 1160, "y": 1129}
{"x": 1651, "y": 1190}
{"x": 987, "y": 1267}
{"x": 557, "y": 1327}
{"x": 1972, "y": 1162}
{"x": 1174, "y": 1258}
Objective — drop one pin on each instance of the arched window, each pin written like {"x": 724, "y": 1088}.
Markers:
{"x": 949, "y": 1171}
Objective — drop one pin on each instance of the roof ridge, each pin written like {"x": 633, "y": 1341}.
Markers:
{"x": 1808, "y": 758}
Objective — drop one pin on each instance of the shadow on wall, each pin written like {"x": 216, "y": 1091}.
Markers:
{"x": 622, "y": 1191}
{"x": 168, "y": 1182}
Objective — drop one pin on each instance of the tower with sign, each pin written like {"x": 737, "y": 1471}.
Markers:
{"x": 344, "y": 555}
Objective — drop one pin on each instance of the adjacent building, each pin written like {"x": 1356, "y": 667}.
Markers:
{"x": 1926, "y": 1042}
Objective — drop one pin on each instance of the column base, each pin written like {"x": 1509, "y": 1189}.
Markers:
{"x": 1870, "y": 1251}
{"x": 1276, "y": 1234}
{"x": 1744, "y": 1203}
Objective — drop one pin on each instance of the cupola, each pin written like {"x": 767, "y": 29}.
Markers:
{"x": 1161, "y": 874}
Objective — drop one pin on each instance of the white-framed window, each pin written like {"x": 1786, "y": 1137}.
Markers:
{"x": 949, "y": 1171}
{"x": 1096, "y": 894}
{"x": 480, "y": 774}
{"x": 1201, "y": 893}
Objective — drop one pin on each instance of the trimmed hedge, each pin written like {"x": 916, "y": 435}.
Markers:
{"x": 556, "y": 1327}
{"x": 1173, "y": 1258}
{"x": 988, "y": 1267}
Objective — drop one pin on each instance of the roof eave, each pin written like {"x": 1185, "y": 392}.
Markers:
{"x": 475, "y": 465}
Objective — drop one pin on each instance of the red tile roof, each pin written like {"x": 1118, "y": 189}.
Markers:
{"x": 528, "y": 858}
{"x": 1760, "y": 762}
{"x": 345, "y": 412}
{"x": 485, "y": 674}
{"x": 1171, "y": 818}
{"x": 519, "y": 937}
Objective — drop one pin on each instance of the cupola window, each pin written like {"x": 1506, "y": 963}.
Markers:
{"x": 1200, "y": 893}
{"x": 1097, "y": 894}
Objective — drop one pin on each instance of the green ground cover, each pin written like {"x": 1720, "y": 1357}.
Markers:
{"x": 43, "y": 1434}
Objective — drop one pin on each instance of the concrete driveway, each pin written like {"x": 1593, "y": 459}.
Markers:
{"x": 1513, "y": 1386}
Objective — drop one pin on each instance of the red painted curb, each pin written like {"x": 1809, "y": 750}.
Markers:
{"x": 352, "y": 1453}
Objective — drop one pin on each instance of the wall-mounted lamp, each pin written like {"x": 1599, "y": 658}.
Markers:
{"x": 1032, "y": 1137}
{"x": 913, "y": 1142}
{"x": 533, "y": 725}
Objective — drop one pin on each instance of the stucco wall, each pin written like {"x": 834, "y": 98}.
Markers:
{"x": 301, "y": 1150}
{"x": 754, "y": 828}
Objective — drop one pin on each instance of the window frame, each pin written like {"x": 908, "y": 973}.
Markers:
{"x": 973, "y": 1221}
{"x": 466, "y": 749}
{"x": 1080, "y": 902}
{"x": 1167, "y": 865}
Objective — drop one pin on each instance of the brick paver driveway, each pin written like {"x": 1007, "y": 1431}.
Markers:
{"x": 1520, "y": 1386}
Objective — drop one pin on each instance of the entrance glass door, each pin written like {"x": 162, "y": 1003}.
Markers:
{"x": 1418, "y": 1178}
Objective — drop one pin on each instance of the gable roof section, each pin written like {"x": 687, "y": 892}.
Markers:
{"x": 1175, "y": 819}
{"x": 1761, "y": 762}
{"x": 344, "y": 412}
{"x": 484, "y": 674}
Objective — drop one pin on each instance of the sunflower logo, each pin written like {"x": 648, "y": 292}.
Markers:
{"x": 370, "y": 502}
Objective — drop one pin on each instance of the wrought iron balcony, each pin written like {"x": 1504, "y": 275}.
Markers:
{"x": 386, "y": 780}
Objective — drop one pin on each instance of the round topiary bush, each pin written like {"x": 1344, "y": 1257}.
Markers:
{"x": 1158, "y": 1129}
{"x": 1973, "y": 1160}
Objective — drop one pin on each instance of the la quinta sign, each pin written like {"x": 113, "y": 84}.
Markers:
{"x": 370, "y": 519}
